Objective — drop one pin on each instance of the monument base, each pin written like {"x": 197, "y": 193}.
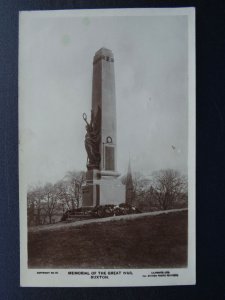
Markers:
{"x": 102, "y": 190}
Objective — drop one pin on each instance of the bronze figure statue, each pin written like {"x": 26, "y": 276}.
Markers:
{"x": 92, "y": 139}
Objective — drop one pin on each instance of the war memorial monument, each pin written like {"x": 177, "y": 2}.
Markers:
{"x": 102, "y": 184}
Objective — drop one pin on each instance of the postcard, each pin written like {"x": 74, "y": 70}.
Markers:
{"x": 107, "y": 147}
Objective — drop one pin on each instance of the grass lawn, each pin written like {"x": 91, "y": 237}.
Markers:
{"x": 148, "y": 242}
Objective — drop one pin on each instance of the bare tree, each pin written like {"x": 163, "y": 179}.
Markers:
{"x": 34, "y": 205}
{"x": 64, "y": 198}
{"x": 51, "y": 200}
{"x": 169, "y": 186}
{"x": 74, "y": 181}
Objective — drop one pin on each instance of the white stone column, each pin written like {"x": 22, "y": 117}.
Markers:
{"x": 103, "y": 95}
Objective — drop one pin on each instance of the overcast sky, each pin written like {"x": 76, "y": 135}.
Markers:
{"x": 55, "y": 82}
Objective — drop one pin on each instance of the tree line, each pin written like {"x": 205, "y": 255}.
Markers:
{"x": 46, "y": 204}
{"x": 164, "y": 189}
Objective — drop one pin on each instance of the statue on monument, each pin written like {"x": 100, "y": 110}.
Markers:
{"x": 92, "y": 139}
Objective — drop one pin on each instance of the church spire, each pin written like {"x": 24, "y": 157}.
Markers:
{"x": 129, "y": 186}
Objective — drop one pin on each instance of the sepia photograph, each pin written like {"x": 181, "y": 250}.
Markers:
{"x": 107, "y": 147}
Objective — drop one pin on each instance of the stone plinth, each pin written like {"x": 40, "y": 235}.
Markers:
{"x": 90, "y": 194}
{"x": 105, "y": 190}
{"x": 111, "y": 191}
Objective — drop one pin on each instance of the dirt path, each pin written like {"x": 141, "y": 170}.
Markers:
{"x": 62, "y": 225}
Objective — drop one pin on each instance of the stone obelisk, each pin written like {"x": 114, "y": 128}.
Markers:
{"x": 102, "y": 186}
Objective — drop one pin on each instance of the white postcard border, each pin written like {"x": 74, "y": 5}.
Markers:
{"x": 137, "y": 277}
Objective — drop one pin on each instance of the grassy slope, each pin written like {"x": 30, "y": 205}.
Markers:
{"x": 152, "y": 241}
